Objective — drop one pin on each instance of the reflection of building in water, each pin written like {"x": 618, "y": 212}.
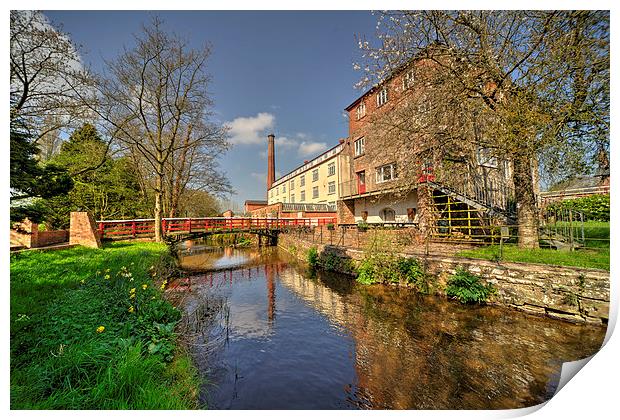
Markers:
{"x": 271, "y": 292}
{"x": 421, "y": 352}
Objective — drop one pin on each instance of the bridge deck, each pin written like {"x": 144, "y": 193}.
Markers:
{"x": 210, "y": 225}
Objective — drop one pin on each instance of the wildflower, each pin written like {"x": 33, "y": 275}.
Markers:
{"x": 152, "y": 297}
{"x": 131, "y": 309}
{"x": 100, "y": 329}
{"x": 132, "y": 296}
{"x": 151, "y": 267}
{"x": 107, "y": 270}
{"x": 144, "y": 286}
{"x": 98, "y": 272}
{"x": 82, "y": 281}
{"x": 132, "y": 291}
{"x": 107, "y": 276}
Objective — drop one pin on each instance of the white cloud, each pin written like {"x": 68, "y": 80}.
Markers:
{"x": 285, "y": 142}
{"x": 311, "y": 148}
{"x": 250, "y": 130}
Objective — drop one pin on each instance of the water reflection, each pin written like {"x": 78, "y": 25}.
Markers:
{"x": 271, "y": 335}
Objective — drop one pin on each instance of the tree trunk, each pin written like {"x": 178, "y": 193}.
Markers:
{"x": 158, "y": 208}
{"x": 527, "y": 210}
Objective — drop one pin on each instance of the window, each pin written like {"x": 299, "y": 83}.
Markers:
{"x": 277, "y": 190}
{"x": 315, "y": 192}
{"x": 408, "y": 80}
{"x": 486, "y": 158}
{"x": 331, "y": 187}
{"x": 388, "y": 215}
{"x": 292, "y": 184}
{"x": 360, "y": 112}
{"x": 292, "y": 198}
{"x": 303, "y": 196}
{"x": 315, "y": 175}
{"x": 382, "y": 97}
{"x": 302, "y": 180}
{"x": 283, "y": 188}
{"x": 359, "y": 147}
{"x": 386, "y": 173}
{"x": 331, "y": 169}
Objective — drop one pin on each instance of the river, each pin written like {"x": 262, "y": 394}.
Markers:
{"x": 267, "y": 333}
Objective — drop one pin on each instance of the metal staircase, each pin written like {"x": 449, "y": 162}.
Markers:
{"x": 479, "y": 200}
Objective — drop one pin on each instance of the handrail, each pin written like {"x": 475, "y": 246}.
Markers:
{"x": 136, "y": 227}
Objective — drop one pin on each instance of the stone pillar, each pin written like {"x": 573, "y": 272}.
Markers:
{"x": 25, "y": 233}
{"x": 83, "y": 230}
{"x": 271, "y": 161}
{"x": 345, "y": 211}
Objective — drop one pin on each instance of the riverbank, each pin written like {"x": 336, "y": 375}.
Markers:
{"x": 90, "y": 329}
{"x": 567, "y": 293}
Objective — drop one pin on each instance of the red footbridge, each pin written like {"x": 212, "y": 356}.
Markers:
{"x": 122, "y": 229}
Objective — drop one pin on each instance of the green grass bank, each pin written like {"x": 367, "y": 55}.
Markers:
{"x": 594, "y": 252}
{"x": 90, "y": 329}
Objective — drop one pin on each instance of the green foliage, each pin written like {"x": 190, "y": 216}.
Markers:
{"x": 106, "y": 187}
{"x": 313, "y": 257}
{"x": 468, "y": 288}
{"x": 387, "y": 269}
{"x": 594, "y": 207}
{"x": 362, "y": 226}
{"x": 30, "y": 179}
{"x": 90, "y": 330}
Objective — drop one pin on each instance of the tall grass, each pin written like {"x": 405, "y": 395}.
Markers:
{"x": 90, "y": 330}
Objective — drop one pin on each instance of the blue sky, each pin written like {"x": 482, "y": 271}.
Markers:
{"x": 289, "y": 73}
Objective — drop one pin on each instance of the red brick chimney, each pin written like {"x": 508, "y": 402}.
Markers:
{"x": 271, "y": 163}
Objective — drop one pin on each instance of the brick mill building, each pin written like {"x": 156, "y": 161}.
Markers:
{"x": 362, "y": 179}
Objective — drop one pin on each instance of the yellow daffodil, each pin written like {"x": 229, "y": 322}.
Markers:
{"x": 107, "y": 276}
{"x": 100, "y": 329}
{"x": 130, "y": 310}
{"x": 144, "y": 286}
{"x": 132, "y": 291}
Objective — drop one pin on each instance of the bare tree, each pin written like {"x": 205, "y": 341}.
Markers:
{"x": 530, "y": 85}
{"x": 47, "y": 78}
{"x": 157, "y": 103}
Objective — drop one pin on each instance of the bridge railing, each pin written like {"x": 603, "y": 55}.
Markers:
{"x": 146, "y": 227}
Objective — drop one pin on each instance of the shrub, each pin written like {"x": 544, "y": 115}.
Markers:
{"x": 313, "y": 257}
{"x": 468, "y": 288}
{"x": 594, "y": 207}
{"x": 366, "y": 272}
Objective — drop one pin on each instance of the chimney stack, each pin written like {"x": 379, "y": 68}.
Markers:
{"x": 271, "y": 163}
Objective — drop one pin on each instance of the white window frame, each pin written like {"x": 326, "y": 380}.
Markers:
{"x": 303, "y": 196}
{"x": 331, "y": 187}
{"x": 360, "y": 111}
{"x": 408, "y": 79}
{"x": 331, "y": 169}
{"x": 382, "y": 97}
{"x": 302, "y": 180}
{"x": 382, "y": 171}
{"x": 292, "y": 184}
{"x": 315, "y": 175}
{"x": 360, "y": 146}
{"x": 315, "y": 192}
{"x": 283, "y": 188}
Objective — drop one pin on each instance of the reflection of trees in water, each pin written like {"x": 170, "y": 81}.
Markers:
{"x": 415, "y": 351}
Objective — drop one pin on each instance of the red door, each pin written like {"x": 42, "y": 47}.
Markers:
{"x": 361, "y": 182}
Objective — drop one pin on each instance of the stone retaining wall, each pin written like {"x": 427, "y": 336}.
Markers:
{"x": 573, "y": 294}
